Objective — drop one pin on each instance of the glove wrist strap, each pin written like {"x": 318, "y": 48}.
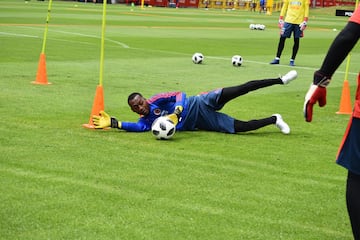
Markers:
{"x": 178, "y": 111}
{"x": 321, "y": 79}
{"x": 115, "y": 123}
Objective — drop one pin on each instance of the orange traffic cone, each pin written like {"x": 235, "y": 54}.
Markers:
{"x": 97, "y": 106}
{"x": 41, "y": 77}
{"x": 345, "y": 101}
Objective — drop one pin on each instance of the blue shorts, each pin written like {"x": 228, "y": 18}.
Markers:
{"x": 203, "y": 114}
{"x": 290, "y": 28}
{"x": 349, "y": 154}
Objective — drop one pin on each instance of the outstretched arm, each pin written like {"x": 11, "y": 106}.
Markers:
{"x": 105, "y": 121}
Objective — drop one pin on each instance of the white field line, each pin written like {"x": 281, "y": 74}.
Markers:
{"x": 123, "y": 45}
{"x": 18, "y": 35}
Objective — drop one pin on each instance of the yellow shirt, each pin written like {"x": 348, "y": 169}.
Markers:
{"x": 296, "y": 10}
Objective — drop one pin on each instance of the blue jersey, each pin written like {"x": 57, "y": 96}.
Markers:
{"x": 160, "y": 104}
{"x": 199, "y": 112}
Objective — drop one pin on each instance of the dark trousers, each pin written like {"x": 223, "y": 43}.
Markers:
{"x": 353, "y": 202}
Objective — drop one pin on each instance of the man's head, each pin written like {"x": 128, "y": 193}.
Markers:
{"x": 138, "y": 103}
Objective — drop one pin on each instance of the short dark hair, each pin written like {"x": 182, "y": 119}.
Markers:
{"x": 133, "y": 95}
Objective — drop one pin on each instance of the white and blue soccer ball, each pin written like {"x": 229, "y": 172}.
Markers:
{"x": 261, "y": 27}
{"x": 237, "y": 60}
{"x": 198, "y": 58}
{"x": 163, "y": 128}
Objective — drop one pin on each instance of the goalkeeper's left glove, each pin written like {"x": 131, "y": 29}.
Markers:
{"x": 303, "y": 24}
{"x": 316, "y": 93}
{"x": 104, "y": 121}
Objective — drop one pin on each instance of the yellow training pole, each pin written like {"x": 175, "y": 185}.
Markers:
{"x": 46, "y": 26}
{"x": 41, "y": 76}
{"x": 102, "y": 44}
{"x": 98, "y": 104}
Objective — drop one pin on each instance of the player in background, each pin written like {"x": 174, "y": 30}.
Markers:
{"x": 262, "y": 8}
{"x": 196, "y": 112}
{"x": 349, "y": 152}
{"x": 296, "y": 14}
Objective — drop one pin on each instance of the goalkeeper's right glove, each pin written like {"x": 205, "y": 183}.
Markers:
{"x": 104, "y": 121}
{"x": 316, "y": 93}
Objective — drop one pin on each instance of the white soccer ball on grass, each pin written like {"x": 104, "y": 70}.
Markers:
{"x": 198, "y": 58}
{"x": 163, "y": 128}
{"x": 237, "y": 60}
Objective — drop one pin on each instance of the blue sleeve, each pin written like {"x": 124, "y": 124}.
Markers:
{"x": 168, "y": 101}
{"x": 141, "y": 126}
{"x": 180, "y": 99}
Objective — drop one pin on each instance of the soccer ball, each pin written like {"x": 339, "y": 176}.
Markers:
{"x": 163, "y": 128}
{"x": 257, "y": 26}
{"x": 197, "y": 58}
{"x": 261, "y": 27}
{"x": 236, "y": 60}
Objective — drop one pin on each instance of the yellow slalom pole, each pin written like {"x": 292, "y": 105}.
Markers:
{"x": 46, "y": 26}
{"x": 41, "y": 75}
{"x": 347, "y": 66}
{"x": 102, "y": 44}
{"x": 98, "y": 104}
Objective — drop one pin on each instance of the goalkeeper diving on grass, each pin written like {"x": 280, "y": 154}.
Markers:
{"x": 200, "y": 112}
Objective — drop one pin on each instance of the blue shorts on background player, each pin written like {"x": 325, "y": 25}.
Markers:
{"x": 296, "y": 17}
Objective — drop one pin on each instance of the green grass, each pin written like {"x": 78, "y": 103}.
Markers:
{"x": 61, "y": 181}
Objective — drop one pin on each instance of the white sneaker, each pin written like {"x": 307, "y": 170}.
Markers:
{"x": 284, "y": 128}
{"x": 289, "y": 77}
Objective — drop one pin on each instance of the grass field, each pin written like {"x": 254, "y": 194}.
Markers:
{"x": 62, "y": 181}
